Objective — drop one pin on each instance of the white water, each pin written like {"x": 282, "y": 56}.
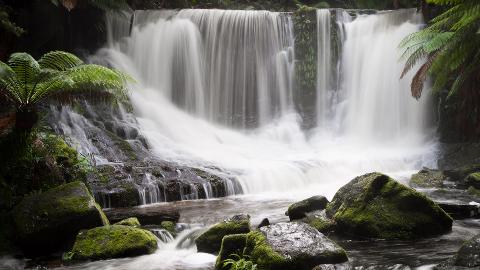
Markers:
{"x": 203, "y": 71}
{"x": 325, "y": 89}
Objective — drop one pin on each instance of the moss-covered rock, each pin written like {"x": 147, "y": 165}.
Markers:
{"x": 374, "y": 205}
{"x": 211, "y": 240}
{"x": 300, "y": 209}
{"x": 469, "y": 254}
{"x": 169, "y": 226}
{"x": 459, "y": 174}
{"x": 320, "y": 222}
{"x": 115, "y": 241}
{"x": 231, "y": 244}
{"x": 132, "y": 222}
{"x": 48, "y": 221}
{"x": 291, "y": 246}
{"x": 473, "y": 180}
{"x": 427, "y": 178}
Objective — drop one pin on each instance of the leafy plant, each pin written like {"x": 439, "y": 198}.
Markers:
{"x": 239, "y": 263}
{"x": 448, "y": 48}
{"x": 58, "y": 75}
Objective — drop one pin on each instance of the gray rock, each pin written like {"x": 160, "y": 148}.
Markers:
{"x": 427, "y": 178}
{"x": 469, "y": 253}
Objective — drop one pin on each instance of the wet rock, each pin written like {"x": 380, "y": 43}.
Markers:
{"x": 115, "y": 241}
{"x": 473, "y": 180}
{"x": 341, "y": 266}
{"x": 132, "y": 222}
{"x": 376, "y": 206}
{"x": 469, "y": 253}
{"x": 292, "y": 246}
{"x": 460, "y": 211}
{"x": 265, "y": 222}
{"x": 467, "y": 257}
{"x": 461, "y": 173}
{"x": 169, "y": 226}
{"x": 231, "y": 244}
{"x": 48, "y": 221}
{"x": 427, "y": 178}
{"x": 299, "y": 209}
{"x": 147, "y": 215}
{"x": 211, "y": 240}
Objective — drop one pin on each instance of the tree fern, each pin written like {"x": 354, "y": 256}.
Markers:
{"x": 58, "y": 75}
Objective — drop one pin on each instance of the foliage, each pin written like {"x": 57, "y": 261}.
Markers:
{"x": 101, "y": 4}
{"x": 238, "y": 262}
{"x": 60, "y": 75}
{"x": 450, "y": 47}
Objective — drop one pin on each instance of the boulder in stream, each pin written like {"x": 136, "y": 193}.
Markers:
{"x": 48, "y": 221}
{"x": 300, "y": 209}
{"x": 284, "y": 246}
{"x": 427, "y": 178}
{"x": 468, "y": 256}
{"x": 376, "y": 206}
{"x": 211, "y": 240}
{"x": 115, "y": 241}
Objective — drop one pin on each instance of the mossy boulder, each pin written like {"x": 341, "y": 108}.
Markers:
{"x": 211, "y": 240}
{"x": 473, "y": 180}
{"x": 49, "y": 221}
{"x": 132, "y": 222}
{"x": 467, "y": 257}
{"x": 291, "y": 246}
{"x": 376, "y": 206}
{"x": 115, "y": 241}
{"x": 169, "y": 226}
{"x": 427, "y": 178}
{"x": 300, "y": 209}
{"x": 231, "y": 244}
{"x": 461, "y": 173}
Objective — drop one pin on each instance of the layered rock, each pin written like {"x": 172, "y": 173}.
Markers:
{"x": 374, "y": 205}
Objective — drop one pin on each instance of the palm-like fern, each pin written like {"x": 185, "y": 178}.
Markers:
{"x": 60, "y": 75}
{"x": 449, "y": 48}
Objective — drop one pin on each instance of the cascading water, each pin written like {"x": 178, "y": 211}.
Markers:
{"x": 205, "y": 75}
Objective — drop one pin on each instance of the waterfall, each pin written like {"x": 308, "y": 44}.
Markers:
{"x": 324, "y": 65}
{"x": 215, "y": 88}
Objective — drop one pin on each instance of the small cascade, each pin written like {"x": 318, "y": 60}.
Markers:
{"x": 149, "y": 191}
{"x": 207, "y": 187}
{"x": 162, "y": 234}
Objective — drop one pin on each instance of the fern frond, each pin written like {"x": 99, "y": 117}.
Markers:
{"x": 59, "y": 60}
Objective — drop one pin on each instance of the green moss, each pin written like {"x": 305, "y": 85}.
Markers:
{"x": 169, "y": 226}
{"x": 322, "y": 224}
{"x": 211, "y": 240}
{"x": 113, "y": 241}
{"x": 473, "y": 180}
{"x": 262, "y": 253}
{"x": 473, "y": 191}
{"x": 132, "y": 222}
{"x": 375, "y": 205}
{"x": 231, "y": 244}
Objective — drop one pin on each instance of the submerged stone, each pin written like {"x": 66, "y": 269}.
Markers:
{"x": 211, "y": 240}
{"x": 115, "y": 241}
{"x": 300, "y": 209}
{"x": 374, "y": 205}
{"x": 132, "y": 222}
{"x": 48, "y": 221}
{"x": 292, "y": 246}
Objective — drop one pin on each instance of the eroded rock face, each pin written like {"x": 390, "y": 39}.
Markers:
{"x": 300, "y": 209}
{"x": 210, "y": 241}
{"x": 49, "y": 221}
{"x": 115, "y": 241}
{"x": 376, "y": 206}
{"x": 292, "y": 246}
